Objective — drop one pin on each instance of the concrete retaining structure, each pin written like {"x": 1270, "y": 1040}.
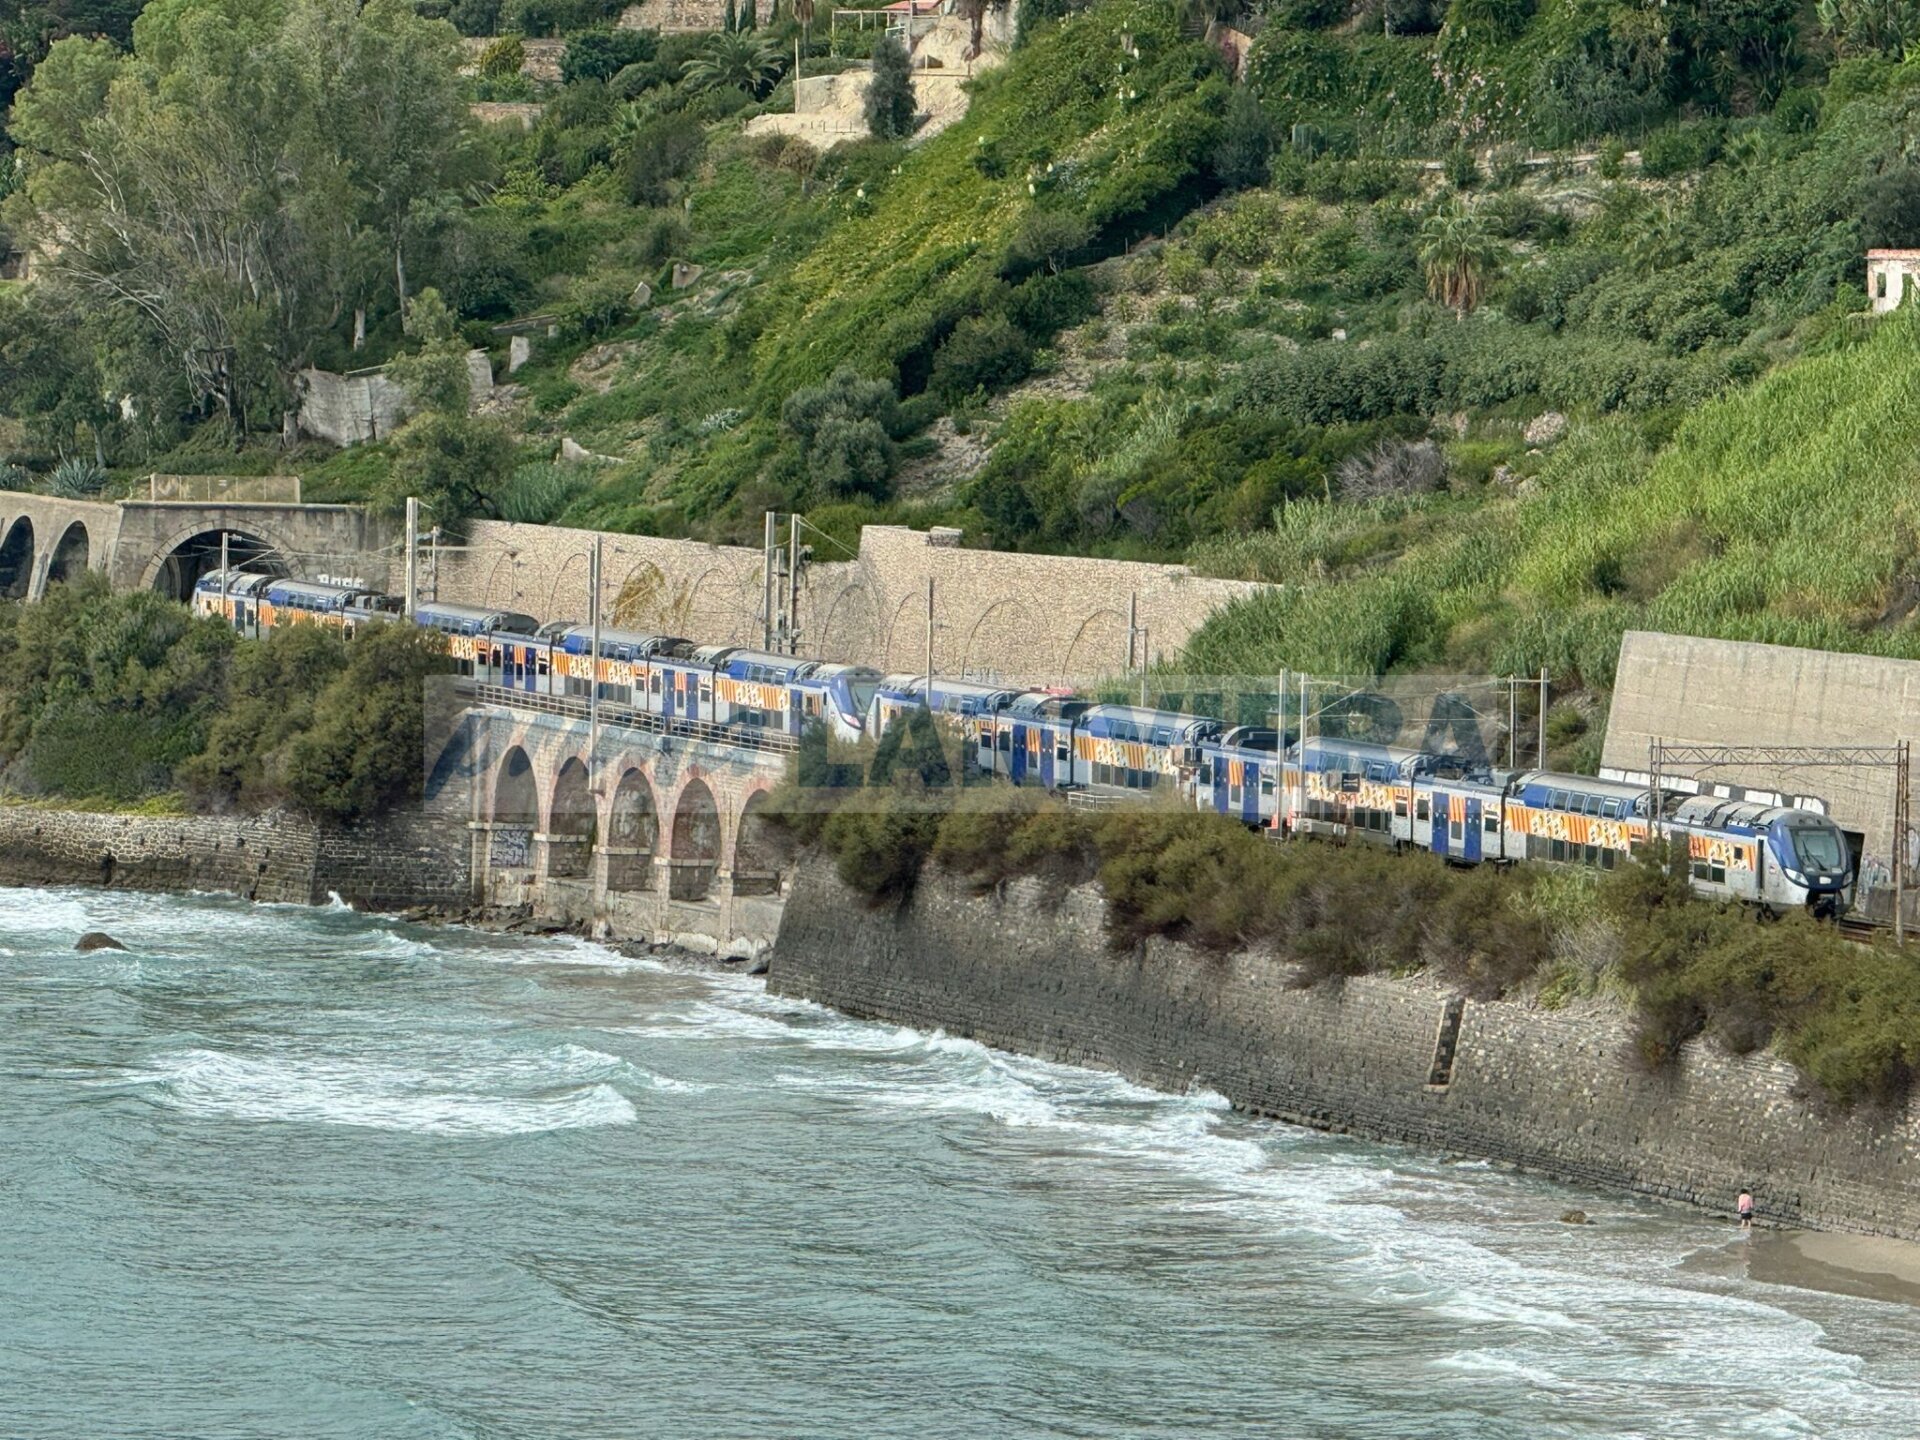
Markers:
{"x": 1552, "y": 1092}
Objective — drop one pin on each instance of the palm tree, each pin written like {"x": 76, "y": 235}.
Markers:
{"x": 1459, "y": 257}
{"x": 738, "y": 60}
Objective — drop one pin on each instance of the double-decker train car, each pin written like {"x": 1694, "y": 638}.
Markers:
{"x": 1773, "y": 857}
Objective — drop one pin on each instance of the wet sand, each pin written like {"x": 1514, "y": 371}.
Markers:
{"x": 1870, "y": 1266}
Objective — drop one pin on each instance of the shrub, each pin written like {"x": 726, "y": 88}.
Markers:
{"x": 77, "y": 479}
{"x": 602, "y": 54}
{"x": 663, "y": 150}
{"x": 503, "y": 57}
{"x": 538, "y": 493}
{"x": 1242, "y": 153}
{"x": 1392, "y": 468}
{"x": 984, "y": 352}
{"x": 1046, "y": 240}
{"x": 846, "y": 428}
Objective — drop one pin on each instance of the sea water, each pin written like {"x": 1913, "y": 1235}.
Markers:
{"x": 304, "y": 1173}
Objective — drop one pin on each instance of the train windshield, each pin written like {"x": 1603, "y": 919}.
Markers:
{"x": 862, "y": 688}
{"x": 1818, "y": 847}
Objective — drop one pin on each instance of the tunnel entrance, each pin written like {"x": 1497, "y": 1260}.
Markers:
{"x": 200, "y": 555}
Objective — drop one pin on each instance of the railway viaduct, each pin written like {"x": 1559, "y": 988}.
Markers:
{"x": 168, "y": 545}
{"x": 651, "y": 835}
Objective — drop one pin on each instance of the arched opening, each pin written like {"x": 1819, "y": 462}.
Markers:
{"x": 199, "y": 555}
{"x": 570, "y": 830}
{"x": 758, "y": 851}
{"x": 70, "y": 556}
{"x": 516, "y": 812}
{"x": 16, "y": 560}
{"x": 696, "y": 843}
{"x": 636, "y": 831}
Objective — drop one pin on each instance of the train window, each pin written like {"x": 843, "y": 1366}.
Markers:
{"x": 1206, "y": 773}
{"x": 986, "y": 740}
{"x": 1235, "y": 793}
{"x": 1593, "y": 804}
{"x": 1611, "y": 810}
{"x": 1266, "y": 784}
{"x": 1400, "y": 807}
{"x": 706, "y": 693}
{"x": 1557, "y": 850}
{"x": 1063, "y": 752}
{"x": 1006, "y": 742}
{"x": 1456, "y": 830}
{"x": 656, "y": 682}
{"x": 1558, "y": 800}
{"x": 1490, "y": 822}
{"x": 1422, "y": 808}
{"x": 1608, "y": 858}
{"x": 541, "y": 663}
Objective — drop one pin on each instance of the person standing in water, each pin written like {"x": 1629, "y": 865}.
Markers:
{"x": 1744, "y": 1207}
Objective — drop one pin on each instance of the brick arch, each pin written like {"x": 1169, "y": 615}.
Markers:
{"x": 515, "y": 794}
{"x": 72, "y": 555}
{"x": 759, "y": 860}
{"x": 695, "y": 849}
{"x": 632, "y": 831}
{"x": 19, "y": 551}
{"x": 571, "y": 822}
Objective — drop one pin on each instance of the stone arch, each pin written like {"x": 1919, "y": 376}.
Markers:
{"x": 759, "y": 852}
{"x": 516, "y": 812}
{"x": 633, "y": 833}
{"x": 642, "y": 601}
{"x": 1009, "y": 635}
{"x": 730, "y": 614}
{"x": 1106, "y": 643}
{"x": 71, "y": 556}
{"x": 17, "y": 555}
{"x": 178, "y": 564}
{"x": 575, "y": 572}
{"x": 911, "y": 654}
{"x": 846, "y": 630}
{"x": 501, "y": 590}
{"x": 695, "y": 853}
{"x": 570, "y": 825}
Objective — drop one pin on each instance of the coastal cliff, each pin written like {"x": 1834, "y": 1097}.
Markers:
{"x": 1031, "y": 970}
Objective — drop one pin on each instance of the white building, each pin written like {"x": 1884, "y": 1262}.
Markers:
{"x": 1890, "y": 274}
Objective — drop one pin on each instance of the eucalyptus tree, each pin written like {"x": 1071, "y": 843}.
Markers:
{"x": 225, "y": 194}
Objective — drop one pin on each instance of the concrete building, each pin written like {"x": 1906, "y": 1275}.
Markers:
{"x": 1890, "y": 274}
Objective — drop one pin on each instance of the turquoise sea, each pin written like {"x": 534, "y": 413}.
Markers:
{"x": 303, "y": 1173}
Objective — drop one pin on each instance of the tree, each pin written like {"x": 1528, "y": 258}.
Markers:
{"x": 602, "y": 54}
{"x": 1459, "y": 256}
{"x": 1890, "y": 209}
{"x": 890, "y": 102}
{"x": 435, "y": 376}
{"x": 1240, "y": 157}
{"x": 453, "y": 463}
{"x": 735, "y": 59}
{"x": 225, "y": 194}
{"x": 365, "y": 749}
{"x": 845, "y": 428}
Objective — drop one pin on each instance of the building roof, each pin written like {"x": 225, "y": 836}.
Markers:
{"x": 1893, "y": 254}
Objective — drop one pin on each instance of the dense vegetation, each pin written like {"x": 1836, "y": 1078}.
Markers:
{"x": 1847, "y": 1015}
{"x": 127, "y": 698}
{"x": 1490, "y": 328}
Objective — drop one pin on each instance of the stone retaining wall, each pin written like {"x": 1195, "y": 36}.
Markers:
{"x": 1554, "y": 1092}
{"x": 401, "y": 860}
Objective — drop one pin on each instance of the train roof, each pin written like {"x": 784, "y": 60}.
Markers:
{"x": 474, "y": 619}
{"x": 1149, "y": 718}
{"x": 645, "y": 641}
{"x": 1249, "y": 737}
{"x": 236, "y": 582}
{"x": 915, "y": 683}
{"x": 1715, "y": 812}
{"x": 1045, "y": 705}
{"x": 1585, "y": 784}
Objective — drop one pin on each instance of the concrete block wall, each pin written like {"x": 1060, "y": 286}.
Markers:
{"x": 1553, "y": 1092}
{"x": 1687, "y": 690}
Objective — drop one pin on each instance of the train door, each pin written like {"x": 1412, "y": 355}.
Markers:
{"x": 1449, "y": 833}
{"x": 1045, "y": 735}
{"x": 1471, "y": 839}
{"x": 1017, "y": 757}
{"x": 1217, "y": 798}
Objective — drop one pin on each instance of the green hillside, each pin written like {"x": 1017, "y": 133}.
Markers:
{"x": 1489, "y": 329}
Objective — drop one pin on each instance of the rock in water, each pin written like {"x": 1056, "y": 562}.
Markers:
{"x": 1574, "y": 1217}
{"x": 97, "y": 940}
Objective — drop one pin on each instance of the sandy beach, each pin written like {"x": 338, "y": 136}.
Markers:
{"x": 1871, "y": 1266}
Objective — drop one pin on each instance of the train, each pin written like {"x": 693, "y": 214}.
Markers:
{"x": 1775, "y": 858}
